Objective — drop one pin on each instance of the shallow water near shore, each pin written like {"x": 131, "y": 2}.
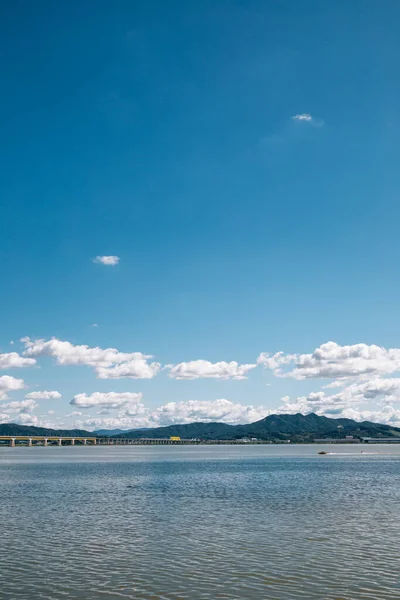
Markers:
{"x": 200, "y": 522}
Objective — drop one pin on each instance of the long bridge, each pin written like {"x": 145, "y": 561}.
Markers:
{"x": 41, "y": 440}
{"x": 55, "y": 440}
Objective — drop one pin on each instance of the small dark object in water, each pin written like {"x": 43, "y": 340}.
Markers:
{"x": 323, "y": 452}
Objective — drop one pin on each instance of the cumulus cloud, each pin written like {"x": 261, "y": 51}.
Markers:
{"x": 109, "y": 261}
{"x": 108, "y": 363}
{"x": 316, "y": 402}
{"x": 44, "y": 395}
{"x": 25, "y": 418}
{"x": 221, "y": 410}
{"x": 348, "y": 402}
{"x": 383, "y": 391}
{"x": 336, "y": 407}
{"x": 12, "y": 360}
{"x": 9, "y": 384}
{"x": 20, "y": 413}
{"x": 137, "y": 416}
{"x": 70, "y": 354}
{"x": 387, "y": 415}
{"x": 275, "y": 361}
{"x": 336, "y": 383}
{"x": 357, "y": 375}
{"x": 20, "y": 406}
{"x": 107, "y": 399}
{"x": 332, "y": 361}
{"x": 120, "y": 422}
{"x": 197, "y": 369}
{"x": 137, "y": 368}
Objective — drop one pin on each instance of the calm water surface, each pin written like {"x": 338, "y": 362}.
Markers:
{"x": 262, "y": 522}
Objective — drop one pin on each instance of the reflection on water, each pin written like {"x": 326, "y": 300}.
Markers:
{"x": 262, "y": 522}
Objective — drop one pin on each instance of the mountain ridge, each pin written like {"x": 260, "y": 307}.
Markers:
{"x": 275, "y": 428}
{"x": 16, "y": 429}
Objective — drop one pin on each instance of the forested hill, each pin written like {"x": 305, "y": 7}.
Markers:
{"x": 296, "y": 428}
{"x": 273, "y": 428}
{"x": 15, "y": 429}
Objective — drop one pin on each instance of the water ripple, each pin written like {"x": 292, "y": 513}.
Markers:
{"x": 199, "y": 524}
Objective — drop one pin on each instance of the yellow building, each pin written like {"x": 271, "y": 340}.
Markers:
{"x": 175, "y": 438}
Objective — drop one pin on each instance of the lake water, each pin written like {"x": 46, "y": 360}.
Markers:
{"x": 200, "y": 522}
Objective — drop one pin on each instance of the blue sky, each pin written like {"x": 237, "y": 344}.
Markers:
{"x": 163, "y": 134}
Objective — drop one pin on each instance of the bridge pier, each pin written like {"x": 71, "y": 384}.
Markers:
{"x": 30, "y": 442}
{"x": 12, "y": 443}
{"x": 84, "y": 442}
{"x": 45, "y": 442}
{"x": 72, "y": 442}
{"x": 59, "y": 442}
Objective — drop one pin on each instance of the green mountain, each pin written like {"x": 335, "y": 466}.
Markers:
{"x": 14, "y": 429}
{"x": 275, "y": 428}
{"x": 297, "y": 428}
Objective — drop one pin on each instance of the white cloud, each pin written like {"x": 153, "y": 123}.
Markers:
{"x": 44, "y": 395}
{"x": 9, "y": 384}
{"x": 125, "y": 423}
{"x": 345, "y": 403}
{"x": 94, "y": 325}
{"x": 137, "y": 368}
{"x": 137, "y": 416}
{"x": 25, "y": 418}
{"x": 107, "y": 399}
{"x": 315, "y": 402}
{"x": 384, "y": 391}
{"x": 302, "y": 117}
{"x": 387, "y": 415}
{"x": 358, "y": 377}
{"x": 324, "y": 406}
{"x": 336, "y": 383}
{"x": 12, "y": 360}
{"x": 275, "y": 361}
{"x": 197, "y": 369}
{"x": 109, "y": 261}
{"x": 332, "y": 361}
{"x": 20, "y": 406}
{"x": 50, "y": 412}
{"x": 70, "y": 354}
{"x": 22, "y": 416}
{"x": 221, "y": 410}
{"x": 130, "y": 364}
